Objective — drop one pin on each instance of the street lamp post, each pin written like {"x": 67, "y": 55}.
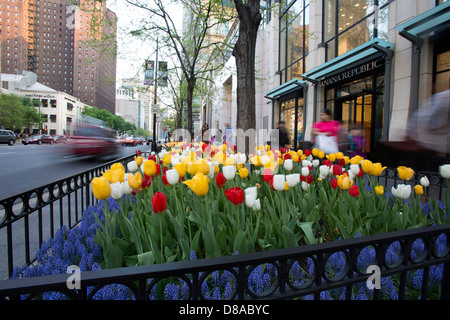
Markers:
{"x": 155, "y": 100}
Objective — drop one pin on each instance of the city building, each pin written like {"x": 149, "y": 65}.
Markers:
{"x": 53, "y": 39}
{"x": 59, "y": 109}
{"x": 129, "y": 107}
{"x": 373, "y": 64}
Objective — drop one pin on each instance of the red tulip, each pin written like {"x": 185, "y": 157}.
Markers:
{"x": 267, "y": 175}
{"x": 159, "y": 202}
{"x": 158, "y": 170}
{"x": 164, "y": 180}
{"x": 309, "y": 179}
{"x": 360, "y": 174}
{"x": 354, "y": 191}
{"x": 333, "y": 183}
{"x": 287, "y": 156}
{"x": 337, "y": 170}
{"x": 220, "y": 180}
{"x": 235, "y": 195}
{"x": 327, "y": 162}
{"x": 342, "y": 162}
{"x": 307, "y": 152}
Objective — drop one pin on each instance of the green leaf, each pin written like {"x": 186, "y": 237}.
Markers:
{"x": 307, "y": 230}
{"x": 113, "y": 256}
{"x": 240, "y": 243}
{"x": 289, "y": 238}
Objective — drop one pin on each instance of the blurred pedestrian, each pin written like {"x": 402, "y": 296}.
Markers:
{"x": 205, "y": 133}
{"x": 283, "y": 135}
{"x": 325, "y": 133}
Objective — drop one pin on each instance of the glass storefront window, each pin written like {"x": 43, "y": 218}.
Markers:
{"x": 294, "y": 36}
{"x": 287, "y": 114}
{"x": 350, "y": 23}
{"x": 442, "y": 72}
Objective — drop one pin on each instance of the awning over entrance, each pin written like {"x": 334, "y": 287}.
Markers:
{"x": 285, "y": 89}
{"x": 357, "y": 56}
{"x": 433, "y": 20}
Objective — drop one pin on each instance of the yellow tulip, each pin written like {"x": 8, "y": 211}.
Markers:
{"x": 331, "y": 157}
{"x": 139, "y": 160}
{"x": 418, "y": 189}
{"x": 280, "y": 160}
{"x": 117, "y": 176}
{"x": 101, "y": 188}
{"x": 315, "y": 152}
{"x": 198, "y": 184}
{"x": 181, "y": 168}
{"x": 228, "y": 161}
{"x": 150, "y": 168}
{"x": 356, "y": 160}
{"x": 286, "y": 186}
{"x": 300, "y": 153}
{"x": 321, "y": 155}
{"x": 405, "y": 173}
{"x": 379, "y": 190}
{"x": 344, "y": 182}
{"x": 339, "y": 155}
{"x": 135, "y": 181}
{"x": 243, "y": 172}
{"x": 256, "y": 161}
{"x": 118, "y": 166}
{"x": 167, "y": 158}
{"x": 377, "y": 169}
{"x": 367, "y": 166}
{"x": 216, "y": 169}
{"x": 199, "y": 165}
{"x": 346, "y": 159}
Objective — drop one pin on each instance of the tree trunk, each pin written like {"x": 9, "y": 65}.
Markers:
{"x": 189, "y": 101}
{"x": 244, "y": 52}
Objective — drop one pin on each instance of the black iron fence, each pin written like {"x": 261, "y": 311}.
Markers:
{"x": 27, "y": 219}
{"x": 315, "y": 278}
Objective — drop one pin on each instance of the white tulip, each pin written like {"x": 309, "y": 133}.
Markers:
{"x": 210, "y": 174}
{"x": 306, "y": 163}
{"x": 305, "y": 186}
{"x": 264, "y": 159}
{"x": 324, "y": 171}
{"x": 354, "y": 168}
{"x": 279, "y": 182}
{"x": 424, "y": 181}
{"x": 172, "y": 176}
{"x": 242, "y": 158}
{"x": 174, "y": 161}
{"x": 402, "y": 191}
{"x": 132, "y": 166}
{"x": 250, "y": 196}
{"x": 291, "y": 179}
{"x": 444, "y": 170}
{"x": 288, "y": 164}
{"x": 257, "y": 205}
{"x": 351, "y": 175}
{"x": 116, "y": 190}
{"x": 126, "y": 189}
{"x": 229, "y": 172}
{"x": 305, "y": 171}
{"x": 315, "y": 163}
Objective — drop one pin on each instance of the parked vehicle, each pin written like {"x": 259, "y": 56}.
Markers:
{"x": 38, "y": 139}
{"x": 129, "y": 141}
{"x": 7, "y": 136}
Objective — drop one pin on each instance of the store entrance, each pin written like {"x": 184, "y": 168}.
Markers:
{"x": 355, "y": 113}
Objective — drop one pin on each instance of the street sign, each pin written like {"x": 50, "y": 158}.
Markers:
{"x": 155, "y": 108}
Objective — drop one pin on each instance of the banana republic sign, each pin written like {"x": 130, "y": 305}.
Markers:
{"x": 354, "y": 72}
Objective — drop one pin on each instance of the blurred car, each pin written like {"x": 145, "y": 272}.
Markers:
{"x": 38, "y": 139}
{"x": 139, "y": 140}
{"x": 129, "y": 141}
{"x": 91, "y": 140}
{"x": 59, "y": 139}
{"x": 7, "y": 136}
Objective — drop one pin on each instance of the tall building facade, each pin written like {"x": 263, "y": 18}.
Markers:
{"x": 53, "y": 39}
{"x": 372, "y": 63}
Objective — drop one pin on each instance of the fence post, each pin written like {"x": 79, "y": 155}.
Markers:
{"x": 445, "y": 284}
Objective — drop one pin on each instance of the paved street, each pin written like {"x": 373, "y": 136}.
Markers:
{"x": 23, "y": 168}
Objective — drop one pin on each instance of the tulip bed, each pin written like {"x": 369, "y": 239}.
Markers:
{"x": 198, "y": 201}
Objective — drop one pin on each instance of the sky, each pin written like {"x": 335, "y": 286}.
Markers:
{"x": 132, "y": 52}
